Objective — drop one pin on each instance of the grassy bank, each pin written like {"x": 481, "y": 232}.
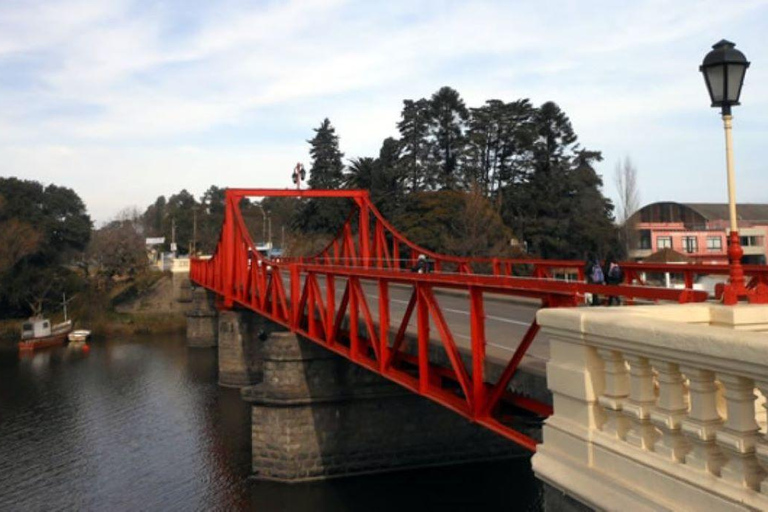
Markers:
{"x": 95, "y": 309}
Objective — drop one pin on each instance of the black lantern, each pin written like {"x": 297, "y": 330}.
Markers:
{"x": 724, "y": 68}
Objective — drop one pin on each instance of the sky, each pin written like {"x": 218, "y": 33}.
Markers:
{"x": 124, "y": 101}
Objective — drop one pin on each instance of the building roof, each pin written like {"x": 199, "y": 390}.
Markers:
{"x": 697, "y": 214}
{"x": 667, "y": 255}
{"x": 753, "y": 212}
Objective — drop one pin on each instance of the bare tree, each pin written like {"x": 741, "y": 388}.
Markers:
{"x": 625, "y": 177}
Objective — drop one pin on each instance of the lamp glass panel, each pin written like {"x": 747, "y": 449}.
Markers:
{"x": 735, "y": 77}
{"x": 715, "y": 82}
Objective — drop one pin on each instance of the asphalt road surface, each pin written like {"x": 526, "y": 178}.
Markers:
{"x": 505, "y": 325}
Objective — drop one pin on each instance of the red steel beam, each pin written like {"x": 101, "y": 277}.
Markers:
{"x": 242, "y": 277}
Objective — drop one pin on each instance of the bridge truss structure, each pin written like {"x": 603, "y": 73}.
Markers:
{"x": 329, "y": 299}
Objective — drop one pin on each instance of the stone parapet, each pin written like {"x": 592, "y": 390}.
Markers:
{"x": 316, "y": 415}
{"x": 657, "y": 407}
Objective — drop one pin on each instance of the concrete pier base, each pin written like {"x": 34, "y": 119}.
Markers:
{"x": 316, "y": 415}
{"x": 202, "y": 320}
{"x": 239, "y": 349}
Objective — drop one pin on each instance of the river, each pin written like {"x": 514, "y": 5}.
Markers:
{"x": 141, "y": 424}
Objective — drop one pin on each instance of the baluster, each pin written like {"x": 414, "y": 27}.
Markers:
{"x": 670, "y": 411}
{"x": 739, "y": 437}
{"x": 702, "y": 422}
{"x": 615, "y": 394}
{"x": 762, "y": 446}
{"x": 642, "y": 399}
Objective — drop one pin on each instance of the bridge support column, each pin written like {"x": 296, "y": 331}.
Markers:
{"x": 315, "y": 415}
{"x": 239, "y": 358}
{"x": 202, "y": 320}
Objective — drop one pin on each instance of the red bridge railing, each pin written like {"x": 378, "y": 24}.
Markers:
{"x": 329, "y": 299}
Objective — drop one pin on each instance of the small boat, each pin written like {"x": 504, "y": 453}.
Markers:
{"x": 79, "y": 335}
{"x": 39, "y": 333}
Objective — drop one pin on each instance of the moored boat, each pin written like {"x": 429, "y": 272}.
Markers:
{"x": 39, "y": 333}
{"x": 79, "y": 335}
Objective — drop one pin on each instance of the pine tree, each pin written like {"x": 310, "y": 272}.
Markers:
{"x": 415, "y": 145}
{"x": 448, "y": 115}
{"x": 327, "y": 172}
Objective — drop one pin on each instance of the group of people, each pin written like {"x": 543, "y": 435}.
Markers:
{"x": 608, "y": 273}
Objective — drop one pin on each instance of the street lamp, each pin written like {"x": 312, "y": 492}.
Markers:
{"x": 299, "y": 174}
{"x": 724, "y": 68}
{"x": 263, "y": 223}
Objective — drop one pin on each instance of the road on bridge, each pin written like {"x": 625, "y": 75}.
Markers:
{"x": 507, "y": 320}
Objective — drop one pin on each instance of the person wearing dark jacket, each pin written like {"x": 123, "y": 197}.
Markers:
{"x": 613, "y": 277}
{"x": 594, "y": 274}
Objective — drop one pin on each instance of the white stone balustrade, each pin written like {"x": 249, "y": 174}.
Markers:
{"x": 656, "y": 407}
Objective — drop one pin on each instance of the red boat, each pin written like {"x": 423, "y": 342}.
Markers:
{"x": 39, "y": 333}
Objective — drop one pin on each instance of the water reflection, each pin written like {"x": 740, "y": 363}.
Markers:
{"x": 140, "y": 423}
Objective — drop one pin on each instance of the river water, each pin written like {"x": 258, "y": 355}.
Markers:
{"x": 141, "y": 424}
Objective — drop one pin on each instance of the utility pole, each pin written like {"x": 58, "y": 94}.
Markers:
{"x": 173, "y": 236}
{"x": 269, "y": 219}
{"x": 282, "y": 238}
{"x": 193, "y": 245}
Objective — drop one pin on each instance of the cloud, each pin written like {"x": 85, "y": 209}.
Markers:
{"x": 189, "y": 93}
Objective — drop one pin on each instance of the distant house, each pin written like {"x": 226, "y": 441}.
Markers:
{"x": 699, "y": 230}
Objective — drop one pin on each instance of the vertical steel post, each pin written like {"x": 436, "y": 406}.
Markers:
{"x": 477, "y": 333}
{"x": 383, "y": 324}
{"x": 365, "y": 238}
{"x": 422, "y": 313}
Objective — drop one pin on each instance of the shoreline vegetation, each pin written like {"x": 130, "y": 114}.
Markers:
{"x": 139, "y": 307}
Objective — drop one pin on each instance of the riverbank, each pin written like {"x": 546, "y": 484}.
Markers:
{"x": 114, "y": 324}
{"x": 145, "y": 306}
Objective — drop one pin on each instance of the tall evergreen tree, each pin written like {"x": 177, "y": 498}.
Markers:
{"x": 558, "y": 208}
{"x": 324, "y": 215}
{"x": 448, "y": 114}
{"x": 415, "y": 145}
{"x": 327, "y": 166}
{"x": 498, "y": 144}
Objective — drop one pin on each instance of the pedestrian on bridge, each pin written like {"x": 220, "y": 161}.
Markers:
{"x": 613, "y": 277}
{"x": 594, "y": 274}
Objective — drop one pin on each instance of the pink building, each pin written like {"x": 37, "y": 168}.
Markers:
{"x": 699, "y": 230}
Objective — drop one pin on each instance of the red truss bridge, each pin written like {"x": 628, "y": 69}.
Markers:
{"x": 329, "y": 299}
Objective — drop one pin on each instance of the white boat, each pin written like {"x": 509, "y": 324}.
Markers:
{"x": 39, "y": 333}
{"x": 79, "y": 335}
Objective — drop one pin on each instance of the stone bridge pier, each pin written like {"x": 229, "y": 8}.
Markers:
{"x": 316, "y": 415}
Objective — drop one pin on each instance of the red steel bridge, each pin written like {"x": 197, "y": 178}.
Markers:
{"x": 323, "y": 298}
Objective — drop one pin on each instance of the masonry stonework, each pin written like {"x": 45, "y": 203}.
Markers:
{"x": 202, "y": 320}
{"x": 316, "y": 415}
{"x": 240, "y": 361}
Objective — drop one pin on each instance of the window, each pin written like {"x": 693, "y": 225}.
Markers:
{"x": 714, "y": 244}
{"x": 663, "y": 242}
{"x": 690, "y": 244}
{"x": 645, "y": 239}
{"x": 751, "y": 241}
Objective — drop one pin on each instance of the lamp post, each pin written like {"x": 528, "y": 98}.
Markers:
{"x": 263, "y": 224}
{"x": 724, "y": 68}
{"x": 299, "y": 174}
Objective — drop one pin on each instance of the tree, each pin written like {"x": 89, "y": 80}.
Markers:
{"x": 117, "y": 249}
{"x": 480, "y": 230}
{"x": 557, "y": 207}
{"x": 625, "y": 179}
{"x": 499, "y": 139}
{"x": 415, "y": 146}
{"x": 43, "y": 229}
{"x": 324, "y": 215}
{"x": 448, "y": 114}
